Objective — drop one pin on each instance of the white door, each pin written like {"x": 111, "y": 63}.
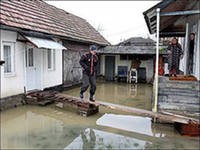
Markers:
{"x": 32, "y": 69}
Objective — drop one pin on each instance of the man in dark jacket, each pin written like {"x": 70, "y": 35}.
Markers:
{"x": 89, "y": 62}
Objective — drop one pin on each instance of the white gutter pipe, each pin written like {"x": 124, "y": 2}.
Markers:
{"x": 157, "y": 59}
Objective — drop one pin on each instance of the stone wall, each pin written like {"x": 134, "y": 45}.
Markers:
{"x": 182, "y": 97}
{"x": 12, "y": 101}
{"x": 72, "y": 71}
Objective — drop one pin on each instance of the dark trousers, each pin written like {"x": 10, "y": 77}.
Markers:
{"x": 190, "y": 64}
{"x": 88, "y": 79}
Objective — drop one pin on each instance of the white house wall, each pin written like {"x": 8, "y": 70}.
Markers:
{"x": 148, "y": 64}
{"x": 119, "y": 62}
{"x": 102, "y": 65}
{"x": 13, "y": 84}
{"x": 52, "y": 77}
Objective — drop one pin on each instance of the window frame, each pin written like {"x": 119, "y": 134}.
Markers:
{"x": 12, "y": 53}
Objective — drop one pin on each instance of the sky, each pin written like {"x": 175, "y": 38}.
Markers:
{"x": 116, "y": 20}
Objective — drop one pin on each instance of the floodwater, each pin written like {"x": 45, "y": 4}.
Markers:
{"x": 135, "y": 95}
{"x": 50, "y": 127}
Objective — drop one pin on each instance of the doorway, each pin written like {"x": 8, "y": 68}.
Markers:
{"x": 110, "y": 68}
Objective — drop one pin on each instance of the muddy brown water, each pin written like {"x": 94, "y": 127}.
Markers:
{"x": 50, "y": 127}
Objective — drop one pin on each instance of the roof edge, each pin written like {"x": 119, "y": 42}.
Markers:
{"x": 44, "y": 34}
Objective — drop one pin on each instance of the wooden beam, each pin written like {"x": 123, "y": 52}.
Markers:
{"x": 168, "y": 118}
{"x": 180, "y": 13}
{"x": 160, "y": 117}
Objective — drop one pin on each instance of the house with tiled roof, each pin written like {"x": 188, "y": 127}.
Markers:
{"x": 40, "y": 45}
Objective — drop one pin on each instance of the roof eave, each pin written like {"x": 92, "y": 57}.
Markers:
{"x": 44, "y": 34}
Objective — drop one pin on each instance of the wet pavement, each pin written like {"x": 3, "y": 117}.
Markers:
{"x": 50, "y": 127}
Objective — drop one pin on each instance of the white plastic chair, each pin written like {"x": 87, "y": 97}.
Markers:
{"x": 133, "y": 76}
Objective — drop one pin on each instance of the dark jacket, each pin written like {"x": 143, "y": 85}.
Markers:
{"x": 86, "y": 63}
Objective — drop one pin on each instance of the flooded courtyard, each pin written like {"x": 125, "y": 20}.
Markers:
{"x": 50, "y": 127}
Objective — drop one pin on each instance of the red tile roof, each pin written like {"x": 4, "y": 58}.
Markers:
{"x": 39, "y": 16}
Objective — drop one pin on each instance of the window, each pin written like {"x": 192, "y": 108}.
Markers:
{"x": 8, "y": 51}
{"x": 29, "y": 58}
{"x": 51, "y": 59}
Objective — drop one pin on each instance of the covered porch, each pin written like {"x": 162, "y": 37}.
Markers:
{"x": 178, "y": 18}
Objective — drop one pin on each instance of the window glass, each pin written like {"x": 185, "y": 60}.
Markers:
{"x": 30, "y": 57}
{"x": 7, "y": 58}
{"x": 49, "y": 55}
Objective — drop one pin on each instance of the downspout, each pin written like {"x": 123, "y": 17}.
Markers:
{"x": 157, "y": 57}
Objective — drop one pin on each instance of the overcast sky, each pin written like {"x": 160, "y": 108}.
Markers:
{"x": 118, "y": 20}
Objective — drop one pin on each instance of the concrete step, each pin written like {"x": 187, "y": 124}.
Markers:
{"x": 179, "y": 99}
{"x": 179, "y": 86}
{"x": 166, "y": 83}
{"x": 180, "y": 107}
{"x": 182, "y": 92}
{"x": 166, "y": 79}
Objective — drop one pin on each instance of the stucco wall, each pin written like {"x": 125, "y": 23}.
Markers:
{"x": 119, "y": 62}
{"x": 148, "y": 64}
{"x": 102, "y": 65}
{"x": 52, "y": 77}
{"x": 13, "y": 84}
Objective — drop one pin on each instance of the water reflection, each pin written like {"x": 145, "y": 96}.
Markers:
{"x": 97, "y": 139}
{"x": 88, "y": 143}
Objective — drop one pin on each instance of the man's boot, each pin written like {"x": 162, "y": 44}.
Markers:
{"x": 92, "y": 99}
{"x": 81, "y": 96}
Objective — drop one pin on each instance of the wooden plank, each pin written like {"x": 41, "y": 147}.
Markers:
{"x": 160, "y": 117}
{"x": 169, "y": 118}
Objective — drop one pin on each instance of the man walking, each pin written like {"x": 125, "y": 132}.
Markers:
{"x": 89, "y": 62}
